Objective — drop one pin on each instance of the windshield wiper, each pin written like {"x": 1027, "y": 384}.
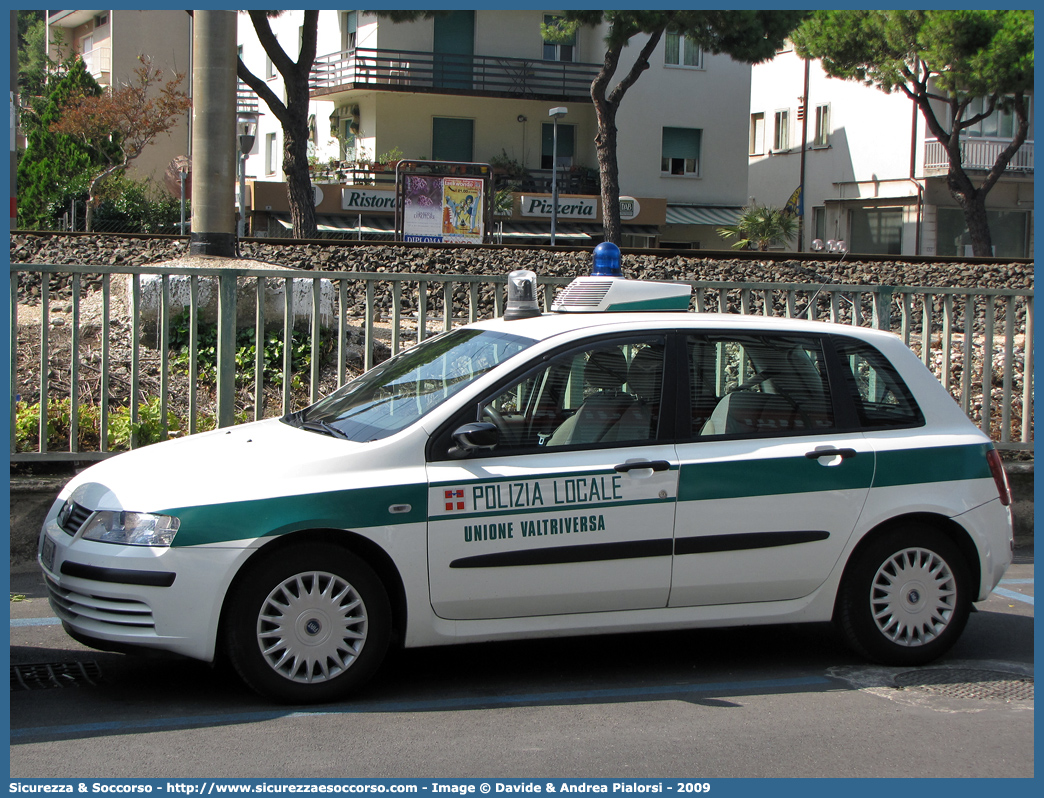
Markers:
{"x": 324, "y": 427}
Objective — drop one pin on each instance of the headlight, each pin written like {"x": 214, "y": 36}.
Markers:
{"x": 131, "y": 529}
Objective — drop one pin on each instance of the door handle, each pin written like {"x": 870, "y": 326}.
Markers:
{"x": 844, "y": 454}
{"x": 655, "y": 465}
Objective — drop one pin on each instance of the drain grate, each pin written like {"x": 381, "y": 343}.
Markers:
{"x": 48, "y": 675}
{"x": 968, "y": 683}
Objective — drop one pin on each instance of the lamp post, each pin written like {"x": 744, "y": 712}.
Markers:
{"x": 556, "y": 114}
{"x": 246, "y": 127}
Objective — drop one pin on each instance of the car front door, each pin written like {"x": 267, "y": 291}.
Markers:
{"x": 573, "y": 510}
{"x": 771, "y": 484}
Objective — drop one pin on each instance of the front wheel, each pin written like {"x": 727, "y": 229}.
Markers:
{"x": 308, "y": 624}
{"x": 906, "y": 597}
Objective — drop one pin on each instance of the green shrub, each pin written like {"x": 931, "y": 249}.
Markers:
{"x": 148, "y": 428}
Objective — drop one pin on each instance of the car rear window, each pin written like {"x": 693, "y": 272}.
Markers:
{"x": 758, "y": 385}
{"x": 881, "y": 397}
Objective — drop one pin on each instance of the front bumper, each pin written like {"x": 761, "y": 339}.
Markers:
{"x": 166, "y": 599}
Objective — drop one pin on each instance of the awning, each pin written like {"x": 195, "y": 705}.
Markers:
{"x": 513, "y": 230}
{"x": 702, "y": 214}
{"x": 371, "y": 225}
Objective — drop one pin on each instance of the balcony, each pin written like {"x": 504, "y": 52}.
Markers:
{"x": 977, "y": 154}
{"x": 438, "y": 73}
{"x": 98, "y": 62}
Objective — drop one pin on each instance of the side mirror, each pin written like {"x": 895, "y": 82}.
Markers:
{"x": 472, "y": 437}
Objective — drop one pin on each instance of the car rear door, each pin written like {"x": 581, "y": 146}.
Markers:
{"x": 772, "y": 481}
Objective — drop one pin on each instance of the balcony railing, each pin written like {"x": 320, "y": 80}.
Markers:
{"x": 977, "y": 154}
{"x": 98, "y": 62}
{"x": 406, "y": 70}
{"x": 246, "y": 100}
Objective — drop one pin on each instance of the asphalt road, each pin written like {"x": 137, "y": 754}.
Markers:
{"x": 787, "y": 701}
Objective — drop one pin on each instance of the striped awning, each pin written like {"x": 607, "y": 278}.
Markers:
{"x": 702, "y": 214}
{"x": 516, "y": 230}
{"x": 371, "y": 225}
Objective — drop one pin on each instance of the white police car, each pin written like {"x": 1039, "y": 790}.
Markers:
{"x": 558, "y": 474}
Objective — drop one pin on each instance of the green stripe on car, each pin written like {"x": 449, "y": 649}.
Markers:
{"x": 343, "y": 509}
{"x": 781, "y": 475}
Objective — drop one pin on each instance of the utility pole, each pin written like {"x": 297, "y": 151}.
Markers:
{"x": 213, "y": 133}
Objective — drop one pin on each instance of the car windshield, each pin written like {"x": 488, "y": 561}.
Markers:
{"x": 401, "y": 390}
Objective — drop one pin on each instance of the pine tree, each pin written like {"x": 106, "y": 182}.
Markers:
{"x": 54, "y": 166}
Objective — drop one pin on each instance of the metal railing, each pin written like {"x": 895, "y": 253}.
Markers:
{"x": 92, "y": 346}
{"x": 412, "y": 70}
{"x": 978, "y": 153}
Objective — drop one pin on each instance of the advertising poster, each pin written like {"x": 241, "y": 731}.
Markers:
{"x": 462, "y": 210}
{"x": 422, "y": 209}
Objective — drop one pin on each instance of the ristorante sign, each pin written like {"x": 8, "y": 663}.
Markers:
{"x": 580, "y": 208}
{"x": 367, "y": 199}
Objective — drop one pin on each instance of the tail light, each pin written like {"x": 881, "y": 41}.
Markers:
{"x": 999, "y": 476}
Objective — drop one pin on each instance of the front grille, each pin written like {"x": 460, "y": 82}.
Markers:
{"x": 72, "y": 517}
{"x": 126, "y": 614}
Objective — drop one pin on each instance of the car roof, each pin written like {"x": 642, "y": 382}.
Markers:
{"x": 549, "y": 325}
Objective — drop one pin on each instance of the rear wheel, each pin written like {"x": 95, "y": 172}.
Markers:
{"x": 308, "y": 624}
{"x": 906, "y": 597}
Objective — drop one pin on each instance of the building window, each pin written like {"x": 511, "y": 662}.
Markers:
{"x": 680, "y": 151}
{"x": 565, "y": 51}
{"x": 876, "y": 231}
{"x": 819, "y": 223}
{"x": 349, "y": 27}
{"x": 271, "y": 153}
{"x": 566, "y": 144}
{"x": 87, "y": 52}
{"x": 270, "y": 71}
{"x": 781, "y": 136}
{"x": 634, "y": 241}
{"x": 757, "y": 134}
{"x": 822, "y": 138}
{"x": 452, "y": 139}
{"x": 1009, "y": 231}
{"x": 100, "y": 20}
{"x": 680, "y": 50}
{"x": 1001, "y": 124}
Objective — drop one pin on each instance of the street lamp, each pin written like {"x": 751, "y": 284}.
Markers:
{"x": 246, "y": 128}
{"x": 556, "y": 114}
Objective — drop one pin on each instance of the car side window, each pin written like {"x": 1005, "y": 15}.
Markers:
{"x": 758, "y": 385}
{"x": 607, "y": 393}
{"x": 881, "y": 397}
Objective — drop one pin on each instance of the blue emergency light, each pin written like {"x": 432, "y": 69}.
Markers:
{"x": 606, "y": 261}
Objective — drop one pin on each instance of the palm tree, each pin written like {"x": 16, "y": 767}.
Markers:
{"x": 760, "y": 227}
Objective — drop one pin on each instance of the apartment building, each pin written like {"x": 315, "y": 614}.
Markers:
{"x": 478, "y": 86}
{"x": 110, "y": 42}
{"x": 874, "y": 177}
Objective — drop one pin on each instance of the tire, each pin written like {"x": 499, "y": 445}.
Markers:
{"x": 905, "y": 598}
{"x": 308, "y": 624}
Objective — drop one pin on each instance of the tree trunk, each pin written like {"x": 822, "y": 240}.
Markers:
{"x": 970, "y": 198}
{"x": 609, "y": 169}
{"x": 974, "y": 207}
{"x": 606, "y": 104}
{"x": 293, "y": 115}
{"x": 299, "y": 182}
